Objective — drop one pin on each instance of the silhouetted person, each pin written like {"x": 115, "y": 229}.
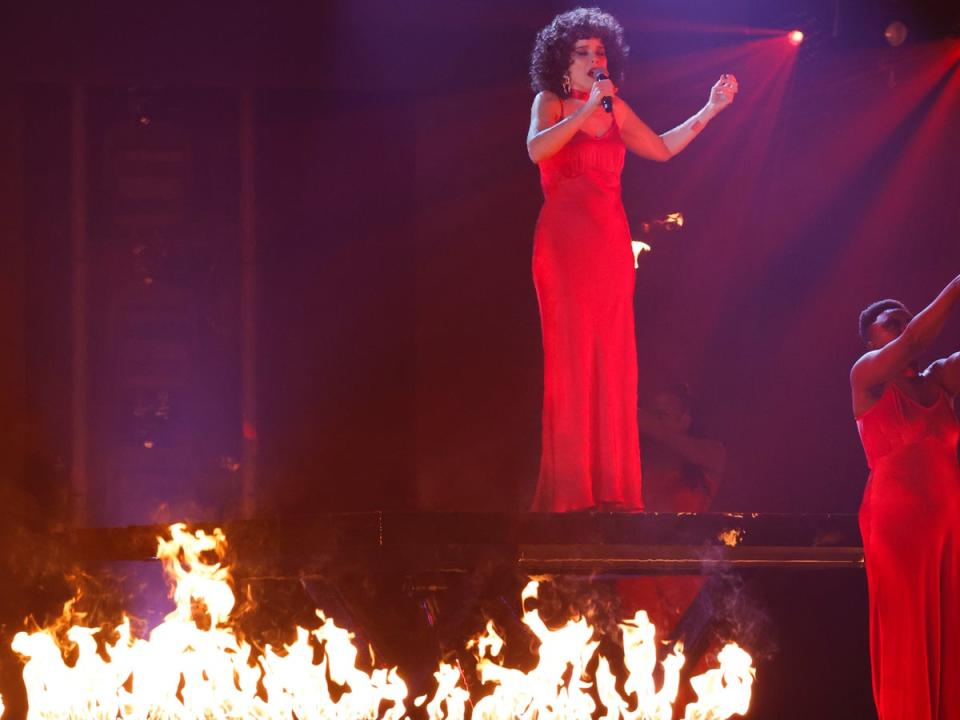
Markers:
{"x": 682, "y": 469}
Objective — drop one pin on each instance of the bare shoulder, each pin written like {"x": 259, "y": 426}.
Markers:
{"x": 546, "y": 99}
{"x": 860, "y": 373}
{"x": 935, "y": 370}
{"x": 857, "y": 369}
{"x": 864, "y": 393}
{"x": 621, "y": 108}
{"x": 546, "y": 111}
{"x": 945, "y": 373}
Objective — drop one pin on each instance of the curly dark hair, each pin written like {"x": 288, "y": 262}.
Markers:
{"x": 870, "y": 314}
{"x": 550, "y": 59}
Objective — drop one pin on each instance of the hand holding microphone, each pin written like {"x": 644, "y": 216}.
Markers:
{"x": 603, "y": 85}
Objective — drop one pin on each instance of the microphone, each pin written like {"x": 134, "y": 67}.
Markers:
{"x": 607, "y": 101}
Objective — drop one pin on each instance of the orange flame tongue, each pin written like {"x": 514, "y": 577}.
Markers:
{"x": 190, "y": 669}
{"x": 543, "y": 693}
{"x": 195, "y": 579}
{"x": 725, "y": 691}
{"x": 566, "y": 652}
{"x": 194, "y": 666}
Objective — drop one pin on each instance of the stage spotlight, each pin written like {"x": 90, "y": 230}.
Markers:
{"x": 895, "y": 33}
{"x": 795, "y": 37}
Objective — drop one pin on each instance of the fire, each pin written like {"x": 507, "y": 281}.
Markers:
{"x": 194, "y": 665}
{"x": 668, "y": 223}
{"x": 723, "y": 692}
{"x": 559, "y": 687}
{"x": 638, "y": 246}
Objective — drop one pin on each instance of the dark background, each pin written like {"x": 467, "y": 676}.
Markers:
{"x": 398, "y": 349}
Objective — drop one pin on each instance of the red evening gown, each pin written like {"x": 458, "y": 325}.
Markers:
{"x": 910, "y": 521}
{"x": 584, "y": 276}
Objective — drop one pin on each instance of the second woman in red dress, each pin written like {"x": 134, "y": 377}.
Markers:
{"x": 910, "y": 515}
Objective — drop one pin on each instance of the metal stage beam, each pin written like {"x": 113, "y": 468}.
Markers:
{"x": 409, "y": 542}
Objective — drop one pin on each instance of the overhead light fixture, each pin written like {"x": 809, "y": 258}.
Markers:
{"x": 895, "y": 33}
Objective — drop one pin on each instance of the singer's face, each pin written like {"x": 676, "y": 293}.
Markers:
{"x": 588, "y": 56}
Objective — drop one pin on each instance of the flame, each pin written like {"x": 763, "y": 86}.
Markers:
{"x": 731, "y": 537}
{"x": 450, "y": 699}
{"x": 671, "y": 219}
{"x": 558, "y": 687}
{"x": 668, "y": 223}
{"x": 726, "y": 691}
{"x": 194, "y": 665}
{"x": 638, "y": 246}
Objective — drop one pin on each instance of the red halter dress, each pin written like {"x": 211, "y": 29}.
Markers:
{"x": 584, "y": 276}
{"x": 910, "y": 521}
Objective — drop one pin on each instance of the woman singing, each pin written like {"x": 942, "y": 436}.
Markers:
{"x": 910, "y": 515}
{"x": 583, "y": 262}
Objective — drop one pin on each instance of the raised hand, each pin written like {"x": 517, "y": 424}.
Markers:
{"x": 723, "y": 92}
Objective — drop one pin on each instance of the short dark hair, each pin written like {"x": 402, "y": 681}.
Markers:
{"x": 870, "y": 314}
{"x": 550, "y": 59}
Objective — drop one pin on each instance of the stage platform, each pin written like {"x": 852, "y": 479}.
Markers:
{"x": 441, "y": 542}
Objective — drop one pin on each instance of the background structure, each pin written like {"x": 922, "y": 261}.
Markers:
{"x": 274, "y": 259}
{"x": 391, "y": 341}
